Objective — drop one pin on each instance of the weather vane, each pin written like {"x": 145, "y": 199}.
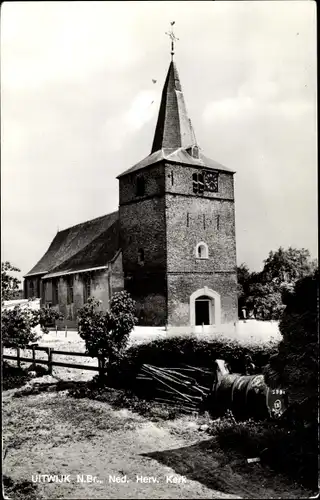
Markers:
{"x": 172, "y": 37}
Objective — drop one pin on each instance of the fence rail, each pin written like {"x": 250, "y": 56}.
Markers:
{"x": 49, "y": 362}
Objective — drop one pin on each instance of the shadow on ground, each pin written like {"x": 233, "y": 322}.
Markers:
{"x": 229, "y": 473}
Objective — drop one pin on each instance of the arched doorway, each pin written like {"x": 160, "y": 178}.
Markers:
{"x": 203, "y": 310}
{"x": 205, "y": 307}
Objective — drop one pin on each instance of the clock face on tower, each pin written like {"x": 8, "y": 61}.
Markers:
{"x": 210, "y": 181}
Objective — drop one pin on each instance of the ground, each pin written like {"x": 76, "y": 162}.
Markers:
{"x": 53, "y": 433}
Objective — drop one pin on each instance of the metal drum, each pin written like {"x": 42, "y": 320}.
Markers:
{"x": 220, "y": 398}
{"x": 239, "y": 396}
{"x": 247, "y": 396}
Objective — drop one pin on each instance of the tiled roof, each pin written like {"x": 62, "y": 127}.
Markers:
{"x": 174, "y": 129}
{"x": 89, "y": 244}
{"x": 180, "y": 156}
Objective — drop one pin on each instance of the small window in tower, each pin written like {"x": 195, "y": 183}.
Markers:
{"x": 202, "y": 250}
{"x": 140, "y": 186}
{"x": 141, "y": 256}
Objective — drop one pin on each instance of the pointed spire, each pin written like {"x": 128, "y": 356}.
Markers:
{"x": 174, "y": 129}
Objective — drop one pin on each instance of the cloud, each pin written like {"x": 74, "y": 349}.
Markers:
{"x": 243, "y": 107}
{"x": 142, "y": 109}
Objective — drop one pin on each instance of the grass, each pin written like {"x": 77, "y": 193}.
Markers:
{"x": 55, "y": 431}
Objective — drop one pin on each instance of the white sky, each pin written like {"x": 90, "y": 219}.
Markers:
{"x": 76, "y": 94}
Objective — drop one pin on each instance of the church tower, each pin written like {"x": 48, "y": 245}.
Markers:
{"x": 177, "y": 227}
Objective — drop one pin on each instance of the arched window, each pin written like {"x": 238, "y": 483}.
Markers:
{"x": 141, "y": 256}
{"x": 202, "y": 250}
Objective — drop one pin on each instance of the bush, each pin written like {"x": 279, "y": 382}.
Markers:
{"x": 295, "y": 364}
{"x": 47, "y": 317}
{"x": 284, "y": 449}
{"x": 189, "y": 350}
{"x": 17, "y": 325}
{"x": 106, "y": 333}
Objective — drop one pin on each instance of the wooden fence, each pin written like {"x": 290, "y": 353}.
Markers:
{"x": 49, "y": 362}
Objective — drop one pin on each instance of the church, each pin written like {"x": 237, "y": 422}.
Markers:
{"x": 171, "y": 244}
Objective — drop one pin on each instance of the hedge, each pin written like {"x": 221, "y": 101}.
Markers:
{"x": 174, "y": 351}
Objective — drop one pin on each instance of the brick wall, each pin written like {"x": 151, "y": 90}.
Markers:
{"x": 116, "y": 275}
{"x": 142, "y": 226}
{"x": 178, "y": 179}
{"x": 191, "y": 219}
{"x": 100, "y": 287}
{"x": 154, "y": 183}
{"x": 99, "y": 290}
{"x": 181, "y": 286}
{"x": 168, "y": 229}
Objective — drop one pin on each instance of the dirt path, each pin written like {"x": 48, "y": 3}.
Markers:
{"x": 55, "y": 434}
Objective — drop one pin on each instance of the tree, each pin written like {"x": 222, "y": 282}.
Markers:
{"x": 262, "y": 292}
{"x": 265, "y": 301}
{"x": 243, "y": 277}
{"x": 9, "y": 283}
{"x": 287, "y": 266}
{"x": 106, "y": 333}
{"x": 295, "y": 366}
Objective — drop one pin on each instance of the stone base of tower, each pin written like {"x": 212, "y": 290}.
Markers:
{"x": 202, "y": 302}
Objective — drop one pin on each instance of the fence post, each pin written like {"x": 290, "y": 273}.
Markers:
{"x": 18, "y": 357}
{"x": 33, "y": 357}
{"x": 101, "y": 366}
{"x": 66, "y": 329}
{"x": 56, "y": 329}
{"x": 49, "y": 361}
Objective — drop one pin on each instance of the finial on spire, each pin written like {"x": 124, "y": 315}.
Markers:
{"x": 172, "y": 37}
